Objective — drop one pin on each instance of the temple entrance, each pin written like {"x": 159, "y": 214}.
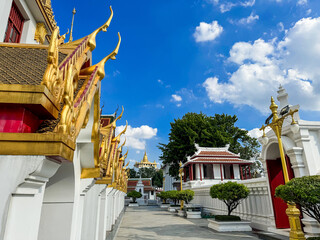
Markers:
{"x": 275, "y": 174}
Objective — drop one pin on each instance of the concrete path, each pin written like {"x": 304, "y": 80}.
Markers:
{"x": 152, "y": 222}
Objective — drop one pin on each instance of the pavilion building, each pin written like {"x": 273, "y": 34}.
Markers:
{"x": 210, "y": 165}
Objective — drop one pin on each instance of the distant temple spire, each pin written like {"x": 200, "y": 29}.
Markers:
{"x": 73, "y": 13}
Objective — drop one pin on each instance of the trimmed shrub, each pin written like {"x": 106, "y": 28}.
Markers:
{"x": 227, "y": 218}
{"x": 134, "y": 195}
{"x": 173, "y": 195}
{"x": 231, "y": 193}
{"x": 304, "y": 191}
{"x": 164, "y": 196}
{"x": 186, "y": 195}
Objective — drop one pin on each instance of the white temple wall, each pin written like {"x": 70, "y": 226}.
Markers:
{"x": 21, "y": 198}
{"x": 4, "y": 16}
{"x": 110, "y": 209}
{"x": 29, "y": 25}
{"x": 90, "y": 212}
{"x": 256, "y": 208}
{"x": 103, "y": 214}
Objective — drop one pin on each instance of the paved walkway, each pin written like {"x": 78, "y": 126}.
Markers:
{"x": 152, "y": 222}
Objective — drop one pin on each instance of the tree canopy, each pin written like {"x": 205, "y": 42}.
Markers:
{"x": 207, "y": 131}
{"x": 304, "y": 191}
{"x": 231, "y": 193}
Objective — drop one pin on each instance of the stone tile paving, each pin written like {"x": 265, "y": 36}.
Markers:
{"x": 152, "y": 222}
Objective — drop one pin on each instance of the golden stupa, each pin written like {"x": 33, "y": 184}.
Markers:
{"x": 145, "y": 163}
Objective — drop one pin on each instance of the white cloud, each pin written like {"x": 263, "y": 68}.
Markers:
{"x": 207, "y": 31}
{"x": 176, "y": 98}
{"x": 136, "y": 137}
{"x": 160, "y": 81}
{"x": 292, "y": 62}
{"x": 280, "y": 26}
{"x": 227, "y": 6}
{"x": 248, "y": 3}
{"x": 255, "y": 133}
{"x": 308, "y": 12}
{"x": 302, "y": 2}
{"x": 256, "y": 52}
{"x": 248, "y": 20}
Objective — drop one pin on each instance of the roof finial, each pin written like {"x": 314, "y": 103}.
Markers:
{"x": 73, "y": 13}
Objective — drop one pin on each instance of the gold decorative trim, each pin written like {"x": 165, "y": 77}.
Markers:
{"x": 40, "y": 34}
{"x": 105, "y": 180}
{"x": 90, "y": 173}
{"x": 23, "y": 45}
{"x": 32, "y": 96}
{"x": 51, "y": 144}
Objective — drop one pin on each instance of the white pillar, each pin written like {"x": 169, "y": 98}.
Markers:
{"x": 216, "y": 171}
{"x": 236, "y": 171}
{"x": 202, "y": 172}
{"x": 25, "y": 204}
{"x": 103, "y": 214}
{"x": 197, "y": 171}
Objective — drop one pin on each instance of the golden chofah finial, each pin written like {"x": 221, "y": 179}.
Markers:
{"x": 92, "y": 38}
{"x": 125, "y": 167}
{"x": 124, "y": 143}
{"x": 101, "y": 73}
{"x": 123, "y": 131}
{"x": 125, "y": 155}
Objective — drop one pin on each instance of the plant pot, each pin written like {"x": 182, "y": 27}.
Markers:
{"x": 229, "y": 226}
{"x": 181, "y": 213}
{"x": 133, "y": 205}
{"x": 165, "y": 205}
{"x": 195, "y": 214}
{"x": 173, "y": 209}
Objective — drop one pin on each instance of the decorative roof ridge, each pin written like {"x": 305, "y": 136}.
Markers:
{"x": 46, "y": 9}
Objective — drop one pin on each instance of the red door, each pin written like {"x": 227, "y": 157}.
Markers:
{"x": 275, "y": 174}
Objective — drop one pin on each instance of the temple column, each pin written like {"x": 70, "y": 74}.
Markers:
{"x": 197, "y": 171}
{"x": 191, "y": 172}
{"x": 201, "y": 172}
{"x": 26, "y": 201}
{"x": 236, "y": 171}
{"x": 216, "y": 171}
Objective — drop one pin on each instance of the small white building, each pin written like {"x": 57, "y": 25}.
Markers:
{"x": 210, "y": 165}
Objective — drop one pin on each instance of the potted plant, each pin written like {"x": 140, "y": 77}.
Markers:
{"x": 305, "y": 192}
{"x": 134, "y": 195}
{"x": 190, "y": 212}
{"x": 231, "y": 193}
{"x": 164, "y": 196}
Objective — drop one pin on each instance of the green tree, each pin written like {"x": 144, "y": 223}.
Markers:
{"x": 156, "y": 175}
{"x": 173, "y": 195}
{"x": 206, "y": 131}
{"x": 164, "y": 196}
{"x": 185, "y": 195}
{"x": 134, "y": 195}
{"x": 304, "y": 191}
{"x": 133, "y": 173}
{"x": 231, "y": 193}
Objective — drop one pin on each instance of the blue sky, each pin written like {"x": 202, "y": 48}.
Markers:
{"x": 214, "y": 56}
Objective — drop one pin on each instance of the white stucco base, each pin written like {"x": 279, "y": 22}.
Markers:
{"x": 193, "y": 214}
{"x": 133, "y": 205}
{"x": 165, "y": 205}
{"x": 228, "y": 226}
